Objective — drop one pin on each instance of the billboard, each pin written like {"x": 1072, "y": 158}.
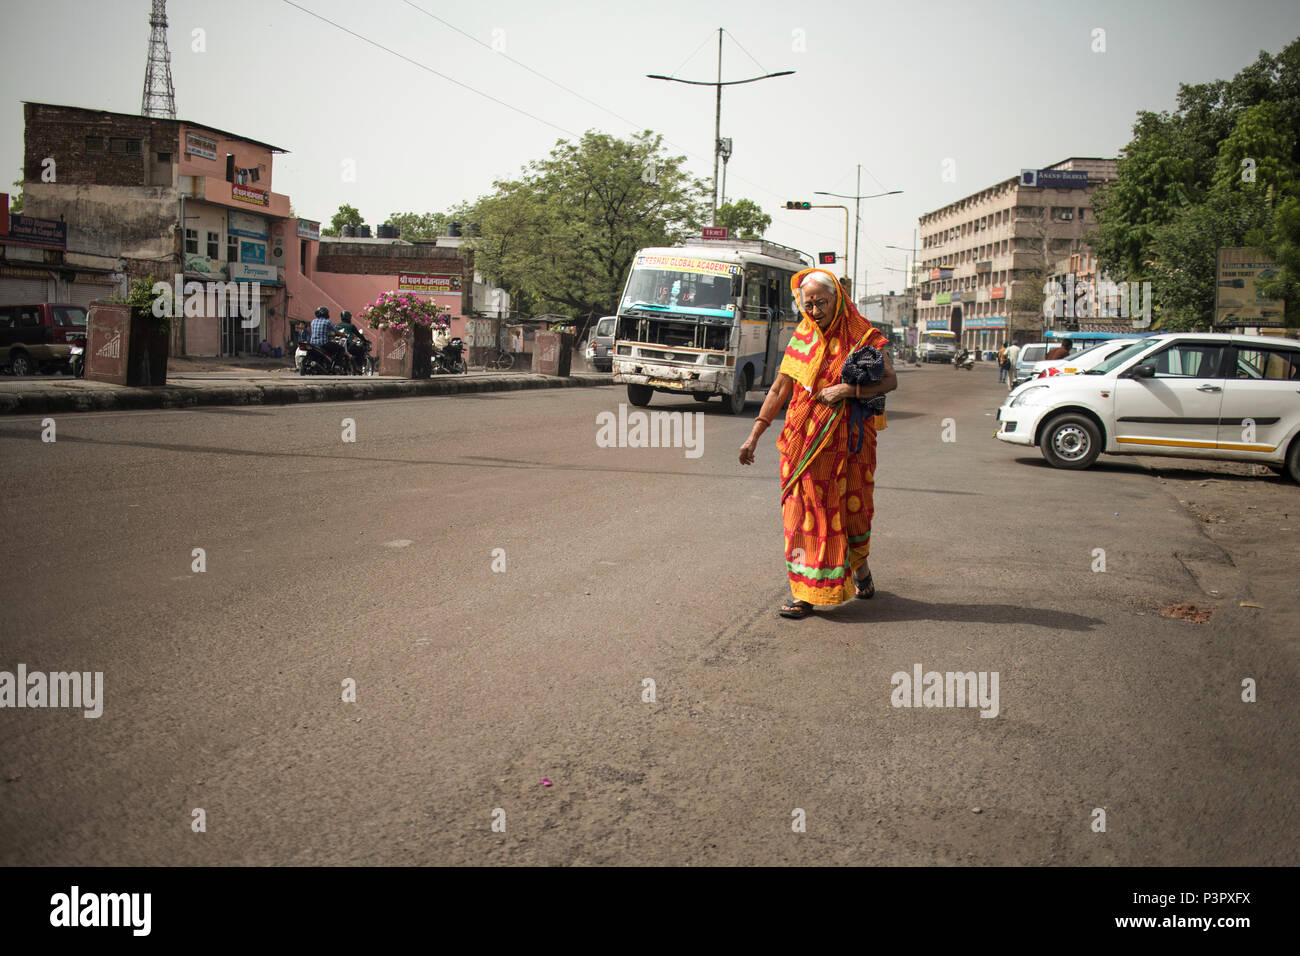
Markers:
{"x": 246, "y": 224}
{"x": 1053, "y": 179}
{"x": 427, "y": 283}
{"x": 38, "y": 232}
{"x": 1237, "y": 301}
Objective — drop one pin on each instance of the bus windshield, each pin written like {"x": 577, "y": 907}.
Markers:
{"x": 682, "y": 284}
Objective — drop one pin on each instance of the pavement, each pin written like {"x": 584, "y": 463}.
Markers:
{"x": 195, "y": 383}
{"x": 517, "y": 605}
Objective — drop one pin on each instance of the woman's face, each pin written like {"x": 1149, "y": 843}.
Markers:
{"x": 818, "y": 302}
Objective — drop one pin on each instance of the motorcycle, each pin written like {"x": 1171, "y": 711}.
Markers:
{"x": 77, "y": 358}
{"x": 316, "y": 360}
{"x": 963, "y": 359}
{"x": 450, "y": 359}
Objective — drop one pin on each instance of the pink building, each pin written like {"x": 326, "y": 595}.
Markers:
{"x": 351, "y": 272}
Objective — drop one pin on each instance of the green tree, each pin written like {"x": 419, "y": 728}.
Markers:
{"x": 744, "y": 218}
{"x": 16, "y": 199}
{"x": 563, "y": 235}
{"x": 1181, "y": 193}
{"x": 346, "y": 216}
{"x": 420, "y": 225}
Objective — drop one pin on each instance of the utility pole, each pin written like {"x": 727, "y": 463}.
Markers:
{"x": 717, "y": 110}
{"x": 857, "y": 202}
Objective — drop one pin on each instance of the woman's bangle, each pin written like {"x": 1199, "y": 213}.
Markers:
{"x": 767, "y": 422}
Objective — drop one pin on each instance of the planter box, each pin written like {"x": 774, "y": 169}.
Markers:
{"x": 553, "y": 353}
{"x": 406, "y": 354}
{"x": 125, "y": 346}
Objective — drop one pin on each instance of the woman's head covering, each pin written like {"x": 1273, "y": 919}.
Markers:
{"x": 810, "y": 346}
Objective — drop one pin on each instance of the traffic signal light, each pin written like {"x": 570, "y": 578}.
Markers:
{"x": 798, "y": 205}
{"x": 826, "y": 258}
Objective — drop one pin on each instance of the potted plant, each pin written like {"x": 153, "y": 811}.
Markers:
{"x": 405, "y": 322}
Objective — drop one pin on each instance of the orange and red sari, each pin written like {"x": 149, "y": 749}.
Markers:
{"x": 826, "y": 493}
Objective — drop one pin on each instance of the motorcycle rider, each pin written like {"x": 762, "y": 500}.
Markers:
{"x": 355, "y": 343}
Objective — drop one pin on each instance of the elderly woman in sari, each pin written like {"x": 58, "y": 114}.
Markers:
{"x": 826, "y": 489}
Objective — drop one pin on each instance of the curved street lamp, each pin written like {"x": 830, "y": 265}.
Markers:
{"x": 717, "y": 111}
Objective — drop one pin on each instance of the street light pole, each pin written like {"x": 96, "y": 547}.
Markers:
{"x": 717, "y": 110}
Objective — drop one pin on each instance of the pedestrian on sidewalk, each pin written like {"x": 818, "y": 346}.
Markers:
{"x": 826, "y": 485}
{"x": 1013, "y": 353}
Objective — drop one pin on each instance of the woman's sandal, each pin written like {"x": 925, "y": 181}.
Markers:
{"x": 865, "y": 590}
{"x": 795, "y": 609}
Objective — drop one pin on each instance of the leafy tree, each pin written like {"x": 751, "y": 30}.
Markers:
{"x": 16, "y": 199}
{"x": 744, "y": 218}
{"x": 422, "y": 225}
{"x": 562, "y": 236}
{"x": 346, "y": 216}
{"x": 1180, "y": 193}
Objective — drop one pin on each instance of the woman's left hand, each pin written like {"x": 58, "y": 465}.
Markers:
{"x": 835, "y": 393}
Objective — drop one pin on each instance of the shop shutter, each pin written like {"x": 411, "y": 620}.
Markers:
{"x": 84, "y": 293}
{"x": 15, "y": 291}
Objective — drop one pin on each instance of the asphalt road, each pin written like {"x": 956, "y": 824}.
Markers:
{"x": 372, "y": 561}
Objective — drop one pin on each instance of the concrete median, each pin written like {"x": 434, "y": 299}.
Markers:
{"x": 42, "y": 396}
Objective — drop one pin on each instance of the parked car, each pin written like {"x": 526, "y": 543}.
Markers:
{"x": 1031, "y": 354}
{"x": 1187, "y": 395}
{"x": 602, "y": 344}
{"x": 1080, "y": 361}
{"x": 39, "y": 337}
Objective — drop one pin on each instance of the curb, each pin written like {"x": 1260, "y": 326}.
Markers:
{"x": 46, "y": 399}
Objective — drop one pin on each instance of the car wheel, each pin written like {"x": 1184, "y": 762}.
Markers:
{"x": 20, "y": 363}
{"x": 1071, "y": 441}
{"x": 639, "y": 395}
{"x": 1293, "y": 461}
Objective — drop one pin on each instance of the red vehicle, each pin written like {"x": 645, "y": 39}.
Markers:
{"x": 39, "y": 337}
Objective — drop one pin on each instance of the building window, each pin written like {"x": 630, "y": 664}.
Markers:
{"x": 214, "y": 243}
{"x": 94, "y": 144}
{"x": 121, "y": 144}
{"x": 191, "y": 242}
{"x": 164, "y": 157}
{"x": 232, "y": 248}
{"x": 302, "y": 256}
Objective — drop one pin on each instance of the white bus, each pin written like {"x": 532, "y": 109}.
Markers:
{"x": 938, "y": 345}
{"x": 710, "y": 317}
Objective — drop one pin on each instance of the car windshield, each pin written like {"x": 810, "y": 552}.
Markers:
{"x": 1120, "y": 357}
{"x": 69, "y": 317}
{"x": 605, "y": 327}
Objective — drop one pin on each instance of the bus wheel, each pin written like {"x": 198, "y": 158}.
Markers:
{"x": 735, "y": 402}
{"x": 639, "y": 395}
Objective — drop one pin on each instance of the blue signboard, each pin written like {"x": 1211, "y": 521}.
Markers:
{"x": 252, "y": 252}
{"x": 1054, "y": 178}
{"x": 38, "y": 232}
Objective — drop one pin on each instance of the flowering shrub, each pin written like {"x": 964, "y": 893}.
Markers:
{"x": 403, "y": 311}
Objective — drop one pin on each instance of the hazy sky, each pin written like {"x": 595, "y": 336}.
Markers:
{"x": 898, "y": 87}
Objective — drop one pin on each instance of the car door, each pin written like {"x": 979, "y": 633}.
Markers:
{"x": 1261, "y": 400}
{"x": 1176, "y": 410}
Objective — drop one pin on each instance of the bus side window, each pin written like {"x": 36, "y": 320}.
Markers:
{"x": 753, "y": 294}
{"x": 788, "y": 310}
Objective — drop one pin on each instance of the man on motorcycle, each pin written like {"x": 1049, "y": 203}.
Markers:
{"x": 356, "y": 341}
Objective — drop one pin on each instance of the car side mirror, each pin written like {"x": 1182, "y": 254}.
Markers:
{"x": 1142, "y": 370}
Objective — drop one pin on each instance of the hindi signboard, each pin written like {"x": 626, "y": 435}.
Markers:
{"x": 428, "y": 283}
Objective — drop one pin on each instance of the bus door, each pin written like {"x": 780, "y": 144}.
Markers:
{"x": 775, "y": 304}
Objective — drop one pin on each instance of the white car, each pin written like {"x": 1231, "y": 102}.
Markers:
{"x": 1079, "y": 361}
{"x": 1186, "y": 395}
